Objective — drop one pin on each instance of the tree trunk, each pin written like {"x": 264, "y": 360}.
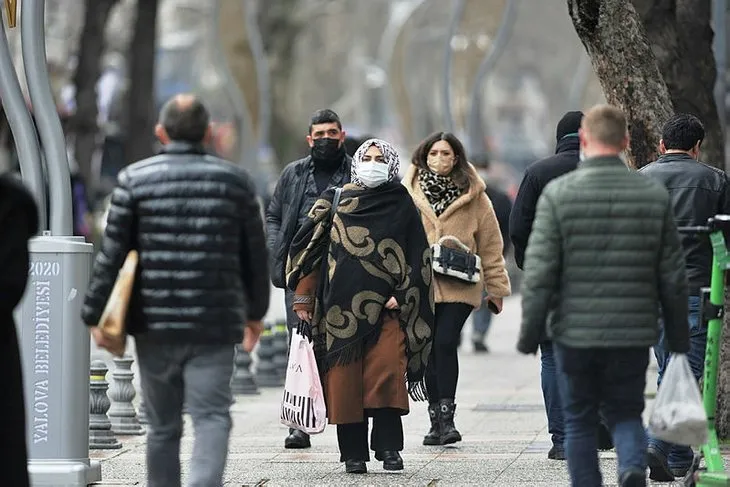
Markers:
{"x": 680, "y": 31}
{"x": 649, "y": 88}
{"x": 88, "y": 70}
{"x": 614, "y": 38}
{"x": 140, "y": 127}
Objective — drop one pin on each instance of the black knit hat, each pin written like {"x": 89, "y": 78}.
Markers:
{"x": 569, "y": 124}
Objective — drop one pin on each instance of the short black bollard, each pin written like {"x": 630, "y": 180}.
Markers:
{"x": 266, "y": 372}
{"x": 101, "y": 436}
{"x": 243, "y": 381}
{"x": 281, "y": 349}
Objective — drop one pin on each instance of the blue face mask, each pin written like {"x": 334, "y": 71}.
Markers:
{"x": 372, "y": 174}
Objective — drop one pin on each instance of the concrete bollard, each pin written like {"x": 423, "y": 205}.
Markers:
{"x": 122, "y": 414}
{"x": 101, "y": 436}
{"x": 243, "y": 381}
{"x": 266, "y": 372}
{"x": 281, "y": 349}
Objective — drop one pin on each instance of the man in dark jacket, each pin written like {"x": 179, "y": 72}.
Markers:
{"x": 299, "y": 186}
{"x": 482, "y": 317}
{"x": 537, "y": 176}
{"x": 697, "y": 192}
{"x": 202, "y": 277}
{"x": 603, "y": 256}
{"x": 19, "y": 221}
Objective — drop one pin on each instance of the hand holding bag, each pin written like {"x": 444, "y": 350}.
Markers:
{"x": 460, "y": 263}
{"x": 303, "y": 406}
{"x": 679, "y": 416}
{"x": 113, "y": 319}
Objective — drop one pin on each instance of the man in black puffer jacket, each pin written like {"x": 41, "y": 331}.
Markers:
{"x": 202, "y": 277}
{"x": 299, "y": 186}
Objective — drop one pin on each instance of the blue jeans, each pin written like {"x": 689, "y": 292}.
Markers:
{"x": 614, "y": 379}
{"x": 551, "y": 395}
{"x": 680, "y": 457}
{"x": 482, "y": 319}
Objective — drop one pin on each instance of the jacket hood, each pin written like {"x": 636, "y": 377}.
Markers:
{"x": 567, "y": 144}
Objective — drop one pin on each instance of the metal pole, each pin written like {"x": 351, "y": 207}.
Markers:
{"x": 44, "y": 108}
{"x": 55, "y": 348}
{"x": 578, "y": 85}
{"x": 476, "y": 122}
{"x": 400, "y": 12}
{"x": 24, "y": 134}
{"x": 719, "y": 15}
{"x": 448, "y": 61}
{"x": 232, "y": 89}
{"x": 263, "y": 83}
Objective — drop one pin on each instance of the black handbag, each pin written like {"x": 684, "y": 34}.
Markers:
{"x": 459, "y": 263}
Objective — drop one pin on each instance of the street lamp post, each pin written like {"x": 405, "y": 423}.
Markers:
{"x": 400, "y": 12}
{"x": 33, "y": 42}
{"x": 456, "y": 17}
{"x": 232, "y": 89}
{"x": 263, "y": 83}
{"x": 476, "y": 122}
{"x": 21, "y": 124}
{"x": 55, "y": 345}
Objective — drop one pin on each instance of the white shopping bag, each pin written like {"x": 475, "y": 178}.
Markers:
{"x": 679, "y": 416}
{"x": 303, "y": 406}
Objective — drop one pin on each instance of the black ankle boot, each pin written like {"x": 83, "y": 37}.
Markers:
{"x": 355, "y": 466}
{"x": 433, "y": 437}
{"x": 449, "y": 433}
{"x": 391, "y": 460}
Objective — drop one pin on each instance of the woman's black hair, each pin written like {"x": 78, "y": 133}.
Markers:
{"x": 459, "y": 174}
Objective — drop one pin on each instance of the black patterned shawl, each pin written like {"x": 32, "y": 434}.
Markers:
{"x": 376, "y": 248}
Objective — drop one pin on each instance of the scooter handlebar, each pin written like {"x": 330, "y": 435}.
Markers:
{"x": 697, "y": 230}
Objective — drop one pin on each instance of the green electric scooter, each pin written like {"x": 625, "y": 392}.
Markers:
{"x": 713, "y": 474}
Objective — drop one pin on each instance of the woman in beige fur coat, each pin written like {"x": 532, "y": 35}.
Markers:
{"x": 452, "y": 201}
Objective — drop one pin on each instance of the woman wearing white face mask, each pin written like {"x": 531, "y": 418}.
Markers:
{"x": 362, "y": 278}
{"x": 461, "y": 225}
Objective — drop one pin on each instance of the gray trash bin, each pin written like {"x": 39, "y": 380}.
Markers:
{"x": 55, "y": 351}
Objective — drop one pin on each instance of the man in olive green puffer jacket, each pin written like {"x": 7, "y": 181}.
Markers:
{"x": 603, "y": 257}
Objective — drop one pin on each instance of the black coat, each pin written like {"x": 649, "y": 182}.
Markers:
{"x": 537, "y": 176}
{"x": 502, "y": 209}
{"x": 196, "y": 223}
{"x": 19, "y": 221}
{"x": 698, "y": 192}
{"x": 295, "y": 194}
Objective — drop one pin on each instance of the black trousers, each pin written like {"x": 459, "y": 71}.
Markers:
{"x": 387, "y": 435}
{"x": 442, "y": 372}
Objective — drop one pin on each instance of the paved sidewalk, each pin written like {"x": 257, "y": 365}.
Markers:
{"x": 499, "y": 413}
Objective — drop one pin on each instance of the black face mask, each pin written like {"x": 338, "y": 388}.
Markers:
{"x": 327, "y": 153}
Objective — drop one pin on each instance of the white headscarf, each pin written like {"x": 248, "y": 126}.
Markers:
{"x": 389, "y": 155}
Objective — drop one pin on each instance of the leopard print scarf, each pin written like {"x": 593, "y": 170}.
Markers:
{"x": 440, "y": 191}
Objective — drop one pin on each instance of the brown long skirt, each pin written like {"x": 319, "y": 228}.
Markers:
{"x": 378, "y": 381}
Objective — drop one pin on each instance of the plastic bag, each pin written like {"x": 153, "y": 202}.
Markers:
{"x": 679, "y": 416}
{"x": 303, "y": 406}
